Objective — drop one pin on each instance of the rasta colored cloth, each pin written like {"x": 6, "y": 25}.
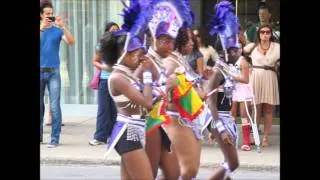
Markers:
{"x": 186, "y": 99}
{"x": 157, "y": 116}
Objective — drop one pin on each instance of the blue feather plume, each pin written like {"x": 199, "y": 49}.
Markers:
{"x": 136, "y": 16}
{"x": 139, "y": 13}
{"x": 192, "y": 14}
{"x": 225, "y": 24}
{"x": 184, "y": 9}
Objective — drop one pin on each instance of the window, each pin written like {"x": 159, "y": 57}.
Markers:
{"x": 85, "y": 19}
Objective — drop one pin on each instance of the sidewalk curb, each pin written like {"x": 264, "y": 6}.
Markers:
{"x": 100, "y": 162}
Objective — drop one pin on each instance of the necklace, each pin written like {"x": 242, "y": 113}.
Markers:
{"x": 265, "y": 50}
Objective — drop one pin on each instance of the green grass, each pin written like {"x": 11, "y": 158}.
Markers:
{"x": 276, "y": 120}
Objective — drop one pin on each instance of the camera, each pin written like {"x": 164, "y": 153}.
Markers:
{"x": 52, "y": 18}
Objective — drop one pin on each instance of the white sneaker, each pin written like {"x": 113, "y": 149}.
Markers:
{"x": 95, "y": 142}
{"x": 52, "y": 145}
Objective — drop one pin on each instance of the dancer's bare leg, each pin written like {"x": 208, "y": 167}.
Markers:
{"x": 186, "y": 147}
{"x": 153, "y": 149}
{"x": 137, "y": 157}
{"x": 169, "y": 165}
{"x": 124, "y": 172}
{"x": 230, "y": 156}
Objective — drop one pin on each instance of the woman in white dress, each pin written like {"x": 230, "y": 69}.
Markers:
{"x": 265, "y": 53}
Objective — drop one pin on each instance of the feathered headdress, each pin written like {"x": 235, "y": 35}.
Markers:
{"x": 136, "y": 18}
{"x": 169, "y": 15}
{"x": 225, "y": 24}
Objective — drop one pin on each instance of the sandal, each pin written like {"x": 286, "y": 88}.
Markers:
{"x": 245, "y": 148}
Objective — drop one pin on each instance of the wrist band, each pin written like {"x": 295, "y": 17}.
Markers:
{"x": 148, "y": 84}
{"x": 147, "y": 77}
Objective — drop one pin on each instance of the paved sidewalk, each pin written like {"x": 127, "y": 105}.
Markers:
{"x": 78, "y": 130}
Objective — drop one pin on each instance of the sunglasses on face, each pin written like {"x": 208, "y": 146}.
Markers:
{"x": 264, "y": 32}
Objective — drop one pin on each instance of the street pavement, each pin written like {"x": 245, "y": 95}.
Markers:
{"x": 113, "y": 173}
{"x": 80, "y": 121}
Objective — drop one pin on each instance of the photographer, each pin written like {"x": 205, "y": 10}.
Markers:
{"x": 52, "y": 30}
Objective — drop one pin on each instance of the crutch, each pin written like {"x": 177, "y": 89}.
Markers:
{"x": 253, "y": 122}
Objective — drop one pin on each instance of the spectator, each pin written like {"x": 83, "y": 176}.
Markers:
{"x": 264, "y": 54}
{"x": 195, "y": 58}
{"x": 52, "y": 30}
{"x": 209, "y": 53}
{"x": 241, "y": 93}
{"x": 264, "y": 18}
{"x": 107, "y": 112}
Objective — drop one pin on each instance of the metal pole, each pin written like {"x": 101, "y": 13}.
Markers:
{"x": 236, "y": 7}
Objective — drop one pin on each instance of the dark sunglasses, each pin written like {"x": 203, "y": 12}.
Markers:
{"x": 264, "y": 32}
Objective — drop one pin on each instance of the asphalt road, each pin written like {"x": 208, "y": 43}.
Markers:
{"x": 54, "y": 172}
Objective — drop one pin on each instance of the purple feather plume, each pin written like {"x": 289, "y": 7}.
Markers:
{"x": 184, "y": 9}
{"x": 225, "y": 24}
{"x": 136, "y": 16}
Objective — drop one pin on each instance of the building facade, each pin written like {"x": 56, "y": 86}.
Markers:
{"x": 85, "y": 19}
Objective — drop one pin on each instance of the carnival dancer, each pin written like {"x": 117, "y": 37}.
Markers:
{"x": 131, "y": 96}
{"x": 189, "y": 113}
{"x": 184, "y": 130}
{"x": 158, "y": 145}
{"x": 223, "y": 126}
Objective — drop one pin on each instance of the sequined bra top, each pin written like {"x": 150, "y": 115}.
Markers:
{"x": 122, "y": 98}
{"x": 161, "y": 82}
